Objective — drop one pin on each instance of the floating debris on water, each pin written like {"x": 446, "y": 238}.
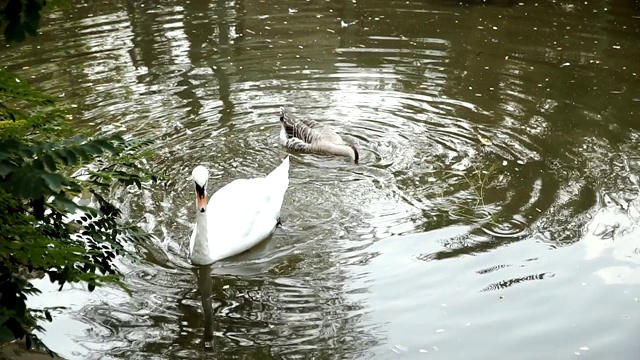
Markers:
{"x": 484, "y": 140}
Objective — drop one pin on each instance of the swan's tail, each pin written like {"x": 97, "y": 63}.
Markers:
{"x": 281, "y": 173}
{"x": 278, "y": 183}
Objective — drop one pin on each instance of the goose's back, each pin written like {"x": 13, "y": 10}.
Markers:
{"x": 307, "y": 130}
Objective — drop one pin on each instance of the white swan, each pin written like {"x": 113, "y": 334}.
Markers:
{"x": 238, "y": 216}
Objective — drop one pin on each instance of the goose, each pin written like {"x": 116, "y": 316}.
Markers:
{"x": 238, "y": 216}
{"x": 313, "y": 137}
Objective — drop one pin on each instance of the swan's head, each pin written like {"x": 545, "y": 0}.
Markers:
{"x": 282, "y": 113}
{"x": 200, "y": 176}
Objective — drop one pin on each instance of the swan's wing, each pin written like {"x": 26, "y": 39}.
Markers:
{"x": 245, "y": 211}
{"x": 234, "y": 208}
{"x": 278, "y": 182}
{"x": 234, "y": 220}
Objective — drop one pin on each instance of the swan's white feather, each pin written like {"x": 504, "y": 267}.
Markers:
{"x": 243, "y": 213}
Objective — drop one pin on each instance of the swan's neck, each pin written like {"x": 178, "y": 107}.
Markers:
{"x": 200, "y": 254}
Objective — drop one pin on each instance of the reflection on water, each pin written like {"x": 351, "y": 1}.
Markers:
{"x": 614, "y": 228}
{"x": 205, "y": 285}
{"x": 496, "y": 198}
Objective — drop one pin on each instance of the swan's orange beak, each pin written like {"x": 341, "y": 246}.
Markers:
{"x": 201, "y": 198}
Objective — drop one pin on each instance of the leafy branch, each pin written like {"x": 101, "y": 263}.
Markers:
{"x": 44, "y": 229}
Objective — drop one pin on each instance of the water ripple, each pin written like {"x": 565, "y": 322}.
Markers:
{"x": 474, "y": 143}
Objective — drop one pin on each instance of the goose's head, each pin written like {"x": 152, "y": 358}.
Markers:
{"x": 200, "y": 176}
{"x": 283, "y": 111}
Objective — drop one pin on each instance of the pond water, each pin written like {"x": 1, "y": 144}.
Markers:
{"x": 494, "y": 213}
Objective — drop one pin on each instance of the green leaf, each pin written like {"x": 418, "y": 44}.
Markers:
{"x": 105, "y": 144}
{"x": 65, "y": 204}
{"x": 68, "y": 157}
{"x": 37, "y": 163}
{"x": 5, "y": 334}
{"x": 54, "y": 181}
{"x": 26, "y": 152}
{"x": 25, "y": 185}
{"x": 49, "y": 162}
{"x": 5, "y": 170}
{"x": 93, "y": 148}
{"x": 82, "y": 152}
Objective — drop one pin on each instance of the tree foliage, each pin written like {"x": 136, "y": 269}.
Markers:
{"x": 19, "y": 18}
{"x": 55, "y": 216}
{"x": 44, "y": 228}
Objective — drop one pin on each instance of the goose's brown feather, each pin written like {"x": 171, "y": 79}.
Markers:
{"x": 310, "y": 136}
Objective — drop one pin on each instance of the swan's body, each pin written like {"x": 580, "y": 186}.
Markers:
{"x": 313, "y": 137}
{"x": 238, "y": 216}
